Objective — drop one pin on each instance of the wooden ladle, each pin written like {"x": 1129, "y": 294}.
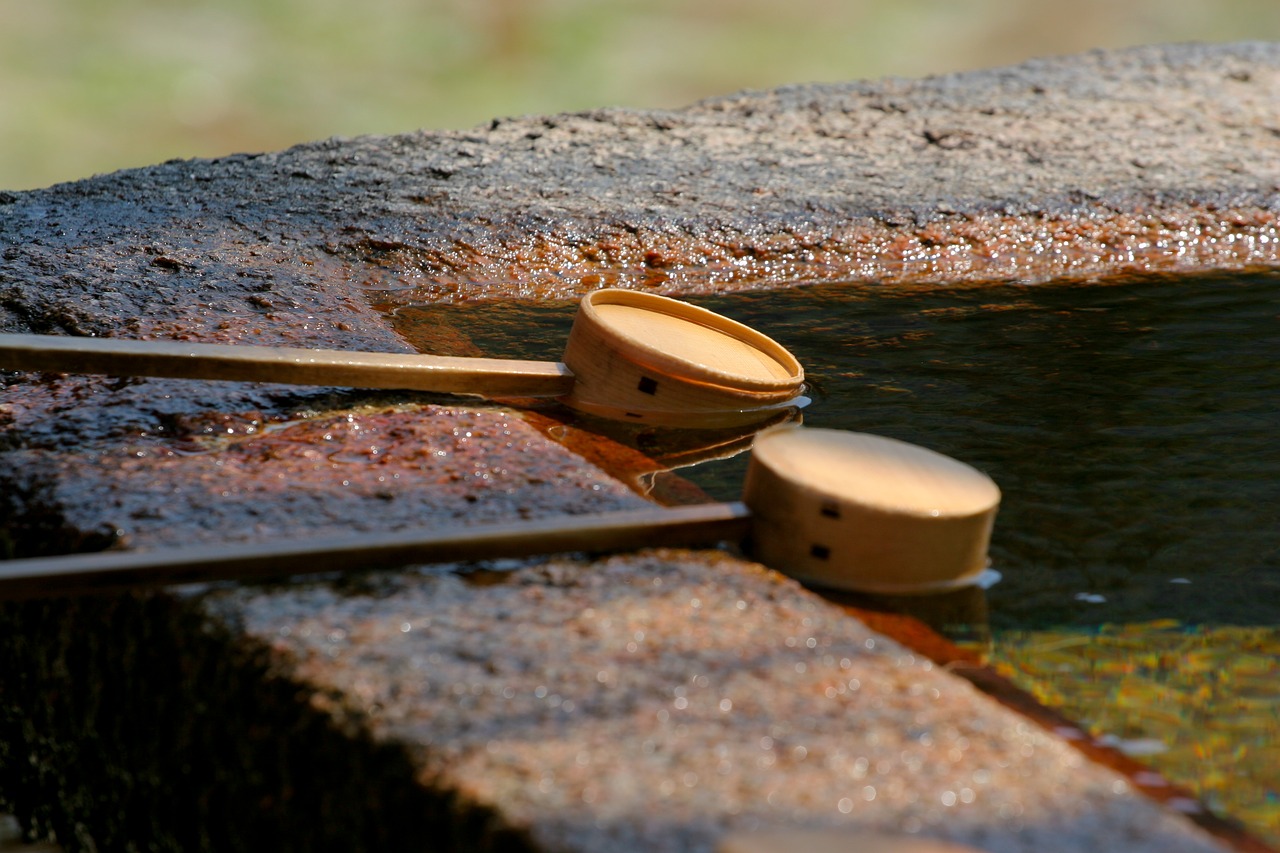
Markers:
{"x": 838, "y": 509}
{"x": 630, "y": 356}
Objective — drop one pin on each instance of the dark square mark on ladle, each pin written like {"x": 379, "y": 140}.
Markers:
{"x": 830, "y": 509}
{"x": 647, "y": 385}
{"x": 821, "y": 552}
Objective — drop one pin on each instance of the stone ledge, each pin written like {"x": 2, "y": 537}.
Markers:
{"x": 1150, "y": 158}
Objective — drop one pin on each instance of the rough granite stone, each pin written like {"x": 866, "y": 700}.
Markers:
{"x": 304, "y": 716}
{"x": 652, "y": 702}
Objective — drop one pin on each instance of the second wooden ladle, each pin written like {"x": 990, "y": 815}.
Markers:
{"x": 841, "y": 510}
{"x": 630, "y": 356}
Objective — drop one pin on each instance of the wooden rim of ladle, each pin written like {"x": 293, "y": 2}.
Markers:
{"x": 712, "y": 352}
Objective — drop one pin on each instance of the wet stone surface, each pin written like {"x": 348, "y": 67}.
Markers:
{"x": 369, "y": 468}
{"x": 304, "y": 716}
{"x": 655, "y": 701}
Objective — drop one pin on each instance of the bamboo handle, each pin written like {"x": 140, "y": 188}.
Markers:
{"x": 78, "y": 574}
{"x": 120, "y": 357}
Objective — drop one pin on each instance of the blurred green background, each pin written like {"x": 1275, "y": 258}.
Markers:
{"x": 88, "y": 86}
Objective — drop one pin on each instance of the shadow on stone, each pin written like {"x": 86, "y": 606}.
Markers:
{"x": 214, "y": 752}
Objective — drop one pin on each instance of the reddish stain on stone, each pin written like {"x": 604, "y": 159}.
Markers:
{"x": 362, "y": 470}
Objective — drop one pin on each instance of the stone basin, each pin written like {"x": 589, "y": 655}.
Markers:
{"x": 654, "y": 700}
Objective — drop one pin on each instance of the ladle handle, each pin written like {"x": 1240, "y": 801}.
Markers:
{"x": 79, "y": 574}
{"x": 121, "y": 357}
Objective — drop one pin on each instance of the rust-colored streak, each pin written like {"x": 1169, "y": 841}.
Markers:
{"x": 952, "y": 250}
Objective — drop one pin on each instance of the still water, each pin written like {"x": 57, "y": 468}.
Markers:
{"x": 1134, "y": 429}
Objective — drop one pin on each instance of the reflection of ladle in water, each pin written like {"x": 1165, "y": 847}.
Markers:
{"x": 647, "y": 482}
{"x": 841, "y": 509}
{"x": 960, "y": 614}
{"x": 660, "y": 452}
{"x": 630, "y": 356}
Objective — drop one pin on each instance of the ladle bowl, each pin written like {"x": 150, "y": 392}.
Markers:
{"x": 630, "y": 356}
{"x": 641, "y": 357}
{"x": 865, "y": 513}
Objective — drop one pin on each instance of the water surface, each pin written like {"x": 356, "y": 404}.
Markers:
{"x": 1131, "y": 427}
